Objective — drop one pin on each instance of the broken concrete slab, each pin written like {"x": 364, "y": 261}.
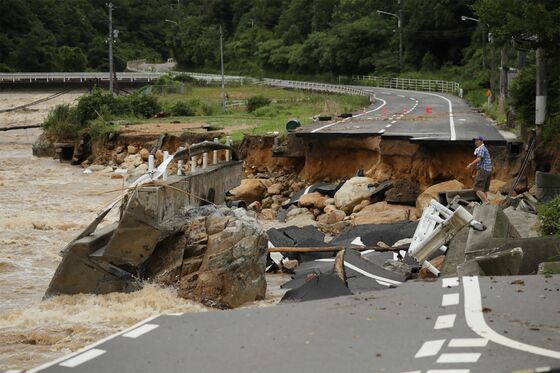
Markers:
{"x": 325, "y": 285}
{"x": 548, "y": 186}
{"x": 549, "y": 268}
{"x": 371, "y": 234}
{"x": 525, "y": 223}
{"x": 503, "y": 263}
{"x": 498, "y": 231}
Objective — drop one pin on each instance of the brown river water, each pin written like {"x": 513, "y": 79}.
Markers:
{"x": 43, "y": 205}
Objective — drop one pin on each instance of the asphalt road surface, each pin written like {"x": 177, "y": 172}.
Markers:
{"x": 418, "y": 116}
{"x": 500, "y": 324}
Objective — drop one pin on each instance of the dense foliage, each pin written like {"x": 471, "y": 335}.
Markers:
{"x": 299, "y": 36}
{"x": 549, "y": 216}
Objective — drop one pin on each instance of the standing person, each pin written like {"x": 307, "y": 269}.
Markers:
{"x": 483, "y": 164}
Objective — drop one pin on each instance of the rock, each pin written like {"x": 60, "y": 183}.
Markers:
{"x": 255, "y": 206}
{"x": 231, "y": 271}
{"x": 521, "y": 186}
{"x": 267, "y": 214}
{"x": 132, "y": 149}
{"x": 361, "y": 206}
{"x": 96, "y": 168}
{"x": 298, "y": 211}
{"x": 120, "y": 157}
{"x": 107, "y": 170}
{"x": 316, "y": 200}
{"x": 336, "y": 228}
{"x": 145, "y": 154}
{"x": 331, "y": 217}
{"x": 403, "y": 192}
{"x": 353, "y": 192}
{"x": 424, "y": 199}
{"x": 85, "y": 164}
{"x": 43, "y": 147}
{"x": 140, "y": 170}
{"x": 267, "y": 202}
{"x": 117, "y": 176}
{"x": 275, "y": 207}
{"x": 290, "y": 265}
{"x": 159, "y": 156}
{"x": 383, "y": 213}
{"x": 329, "y": 208}
{"x": 275, "y": 189}
{"x": 329, "y": 201}
{"x": 119, "y": 149}
{"x": 338, "y": 268}
{"x": 250, "y": 190}
{"x": 496, "y": 185}
{"x": 297, "y": 186}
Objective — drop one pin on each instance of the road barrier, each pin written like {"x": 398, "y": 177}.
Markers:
{"x": 443, "y": 86}
{"x": 321, "y": 87}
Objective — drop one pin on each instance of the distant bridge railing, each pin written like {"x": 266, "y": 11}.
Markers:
{"x": 320, "y": 87}
{"x": 443, "y": 86}
{"x": 64, "y": 77}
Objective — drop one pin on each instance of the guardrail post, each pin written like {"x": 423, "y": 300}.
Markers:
{"x": 204, "y": 160}
{"x": 165, "y": 156}
{"x": 180, "y": 163}
{"x": 228, "y": 152}
{"x": 215, "y": 152}
{"x": 150, "y": 163}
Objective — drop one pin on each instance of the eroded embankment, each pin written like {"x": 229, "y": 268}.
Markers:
{"x": 319, "y": 158}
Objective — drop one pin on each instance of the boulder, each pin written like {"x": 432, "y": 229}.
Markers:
{"x": 119, "y": 157}
{"x": 267, "y": 214}
{"x": 231, "y": 269}
{"x": 275, "y": 189}
{"x": 251, "y": 190}
{"x": 312, "y": 200}
{"x": 43, "y": 147}
{"x": 159, "y": 156}
{"x": 132, "y": 149}
{"x": 292, "y": 213}
{"x": 331, "y": 217}
{"x": 255, "y": 206}
{"x": 145, "y": 154}
{"x": 329, "y": 201}
{"x": 353, "y": 192}
{"x": 383, "y": 213}
{"x": 361, "y": 206}
{"x": 432, "y": 192}
{"x": 496, "y": 185}
{"x": 403, "y": 192}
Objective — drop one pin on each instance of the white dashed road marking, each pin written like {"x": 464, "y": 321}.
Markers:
{"x": 468, "y": 342}
{"x": 445, "y": 321}
{"x": 450, "y": 299}
{"x": 140, "y": 331}
{"x": 469, "y": 357}
{"x": 430, "y": 348}
{"x": 82, "y": 358}
{"x": 349, "y": 118}
{"x": 450, "y": 282}
{"x": 448, "y": 371}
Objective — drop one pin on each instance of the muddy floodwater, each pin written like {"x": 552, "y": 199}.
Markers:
{"x": 43, "y": 205}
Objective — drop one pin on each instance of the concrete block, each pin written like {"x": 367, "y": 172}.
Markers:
{"x": 498, "y": 231}
{"x": 548, "y": 186}
{"x": 536, "y": 250}
{"x": 502, "y": 263}
{"x": 549, "y": 268}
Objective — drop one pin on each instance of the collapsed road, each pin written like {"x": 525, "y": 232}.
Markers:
{"x": 470, "y": 324}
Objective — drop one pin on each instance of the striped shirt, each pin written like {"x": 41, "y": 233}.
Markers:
{"x": 485, "y": 162}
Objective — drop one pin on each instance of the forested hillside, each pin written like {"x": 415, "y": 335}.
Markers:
{"x": 299, "y": 36}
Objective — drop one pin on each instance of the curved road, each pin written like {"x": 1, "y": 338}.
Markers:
{"x": 418, "y": 116}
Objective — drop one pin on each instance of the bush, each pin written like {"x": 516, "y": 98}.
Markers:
{"x": 256, "y": 102}
{"x": 92, "y": 104}
{"x": 549, "y": 217}
{"x": 182, "y": 109}
{"x": 62, "y": 122}
{"x": 144, "y": 105}
{"x": 100, "y": 129}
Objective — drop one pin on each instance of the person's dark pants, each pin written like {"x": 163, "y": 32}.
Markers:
{"x": 482, "y": 180}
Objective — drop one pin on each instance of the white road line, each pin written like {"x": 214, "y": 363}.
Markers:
{"x": 389, "y": 125}
{"x": 448, "y": 371}
{"x": 82, "y": 358}
{"x": 401, "y": 96}
{"x": 382, "y": 131}
{"x": 430, "y": 348}
{"x": 450, "y": 299}
{"x": 451, "y": 121}
{"x": 140, "y": 331}
{"x": 468, "y": 342}
{"x": 445, "y": 321}
{"x": 349, "y": 118}
{"x": 475, "y": 321}
{"x": 450, "y": 282}
{"x": 381, "y": 280}
{"x": 393, "y": 122}
{"x": 412, "y": 98}
{"x": 13, "y": 371}
{"x": 469, "y": 357}
{"x": 543, "y": 369}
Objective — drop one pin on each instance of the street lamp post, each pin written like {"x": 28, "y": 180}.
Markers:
{"x": 399, "y": 24}
{"x": 465, "y": 18}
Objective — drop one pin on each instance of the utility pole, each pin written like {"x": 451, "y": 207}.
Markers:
{"x": 540, "y": 99}
{"x": 222, "y": 65}
{"x": 111, "y": 67}
{"x": 401, "y": 34}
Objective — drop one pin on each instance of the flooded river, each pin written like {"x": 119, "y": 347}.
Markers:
{"x": 44, "y": 204}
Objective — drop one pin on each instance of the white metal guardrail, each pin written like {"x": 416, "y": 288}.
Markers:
{"x": 443, "y": 86}
{"x": 320, "y": 87}
{"x": 95, "y": 76}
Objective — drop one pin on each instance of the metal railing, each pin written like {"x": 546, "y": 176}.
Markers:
{"x": 320, "y": 87}
{"x": 443, "y": 86}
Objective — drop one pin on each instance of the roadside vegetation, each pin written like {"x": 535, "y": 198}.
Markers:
{"x": 254, "y": 109}
{"x": 549, "y": 216}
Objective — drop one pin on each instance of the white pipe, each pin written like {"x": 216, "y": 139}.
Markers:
{"x": 204, "y": 160}
{"x": 165, "y": 157}
{"x": 193, "y": 164}
{"x": 215, "y": 152}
